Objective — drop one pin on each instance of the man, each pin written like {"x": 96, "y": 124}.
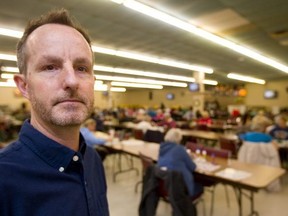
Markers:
{"x": 49, "y": 170}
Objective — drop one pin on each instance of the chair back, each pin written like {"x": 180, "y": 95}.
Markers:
{"x": 138, "y": 134}
{"x": 146, "y": 161}
{"x": 172, "y": 188}
{"x": 229, "y": 144}
{"x": 154, "y": 136}
{"x": 193, "y": 146}
{"x": 222, "y": 153}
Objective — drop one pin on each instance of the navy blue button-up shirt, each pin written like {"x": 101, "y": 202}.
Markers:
{"x": 39, "y": 176}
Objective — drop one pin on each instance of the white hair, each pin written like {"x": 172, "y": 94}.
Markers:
{"x": 173, "y": 135}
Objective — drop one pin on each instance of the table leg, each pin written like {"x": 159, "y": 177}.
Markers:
{"x": 120, "y": 168}
{"x": 239, "y": 193}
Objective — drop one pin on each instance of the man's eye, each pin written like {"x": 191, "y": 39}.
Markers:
{"x": 83, "y": 69}
{"x": 49, "y": 67}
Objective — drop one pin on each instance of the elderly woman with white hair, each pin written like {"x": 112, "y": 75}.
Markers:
{"x": 174, "y": 157}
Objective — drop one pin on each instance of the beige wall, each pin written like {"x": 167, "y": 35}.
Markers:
{"x": 183, "y": 97}
{"x": 8, "y": 97}
{"x": 255, "y": 94}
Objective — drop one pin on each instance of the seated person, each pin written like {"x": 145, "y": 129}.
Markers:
{"x": 261, "y": 118}
{"x": 168, "y": 122}
{"x": 205, "y": 119}
{"x": 173, "y": 156}
{"x": 256, "y": 134}
{"x": 279, "y": 131}
{"x": 259, "y": 148}
{"x": 144, "y": 124}
{"x": 87, "y": 130}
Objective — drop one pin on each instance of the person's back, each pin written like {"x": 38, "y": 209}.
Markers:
{"x": 174, "y": 157}
{"x": 279, "y": 130}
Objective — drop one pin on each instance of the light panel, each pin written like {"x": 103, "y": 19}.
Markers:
{"x": 151, "y": 59}
{"x": 245, "y": 78}
{"x": 171, "y": 20}
{"x": 143, "y": 73}
{"x": 136, "y": 85}
{"x": 10, "y": 69}
{"x": 7, "y": 76}
{"x": 139, "y": 80}
{"x": 11, "y": 33}
{"x": 8, "y": 57}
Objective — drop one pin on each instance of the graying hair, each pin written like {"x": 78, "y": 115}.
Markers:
{"x": 173, "y": 135}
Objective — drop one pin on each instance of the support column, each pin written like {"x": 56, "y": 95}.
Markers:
{"x": 110, "y": 99}
{"x": 199, "y": 98}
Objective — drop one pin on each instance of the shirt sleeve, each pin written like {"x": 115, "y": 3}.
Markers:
{"x": 90, "y": 138}
{"x": 188, "y": 160}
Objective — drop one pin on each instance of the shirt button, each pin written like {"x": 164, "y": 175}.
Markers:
{"x": 61, "y": 169}
{"x": 75, "y": 158}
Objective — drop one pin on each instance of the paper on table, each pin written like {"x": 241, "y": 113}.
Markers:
{"x": 233, "y": 174}
{"x": 205, "y": 166}
{"x": 132, "y": 142}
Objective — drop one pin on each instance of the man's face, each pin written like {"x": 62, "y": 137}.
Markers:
{"x": 60, "y": 80}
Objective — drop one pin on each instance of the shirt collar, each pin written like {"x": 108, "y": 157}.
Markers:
{"x": 53, "y": 153}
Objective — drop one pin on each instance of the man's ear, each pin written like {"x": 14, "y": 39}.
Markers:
{"x": 20, "y": 81}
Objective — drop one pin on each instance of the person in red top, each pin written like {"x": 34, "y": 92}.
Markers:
{"x": 205, "y": 119}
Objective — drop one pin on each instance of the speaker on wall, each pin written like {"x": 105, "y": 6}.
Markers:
{"x": 150, "y": 95}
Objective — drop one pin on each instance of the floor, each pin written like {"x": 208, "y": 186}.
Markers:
{"x": 124, "y": 201}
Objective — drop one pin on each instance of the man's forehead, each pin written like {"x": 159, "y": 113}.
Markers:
{"x": 53, "y": 29}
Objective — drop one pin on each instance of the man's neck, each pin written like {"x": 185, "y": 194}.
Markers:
{"x": 67, "y": 136}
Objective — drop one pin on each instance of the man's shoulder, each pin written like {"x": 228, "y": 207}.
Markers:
{"x": 11, "y": 152}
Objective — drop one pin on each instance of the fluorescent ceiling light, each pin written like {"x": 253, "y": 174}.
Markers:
{"x": 104, "y": 87}
{"x": 136, "y": 85}
{"x": 7, "y": 76}
{"x": 98, "y": 82}
{"x": 143, "y": 73}
{"x": 125, "y": 54}
{"x": 210, "y": 82}
{"x": 151, "y": 59}
{"x": 10, "y": 69}
{"x": 8, "y": 57}
{"x": 118, "y": 89}
{"x": 9, "y": 83}
{"x": 139, "y": 80}
{"x": 150, "y": 74}
{"x": 245, "y": 78}
{"x": 149, "y": 11}
{"x": 11, "y": 33}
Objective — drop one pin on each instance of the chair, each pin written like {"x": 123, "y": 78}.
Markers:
{"x": 146, "y": 162}
{"x": 169, "y": 185}
{"x": 138, "y": 134}
{"x": 154, "y": 136}
{"x": 261, "y": 153}
{"x": 164, "y": 194}
{"x": 231, "y": 144}
{"x": 209, "y": 184}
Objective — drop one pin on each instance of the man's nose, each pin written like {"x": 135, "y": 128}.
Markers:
{"x": 70, "y": 79}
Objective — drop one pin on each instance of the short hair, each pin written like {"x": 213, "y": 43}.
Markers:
{"x": 88, "y": 122}
{"x": 278, "y": 118}
{"x": 173, "y": 135}
{"x": 57, "y": 16}
{"x": 258, "y": 127}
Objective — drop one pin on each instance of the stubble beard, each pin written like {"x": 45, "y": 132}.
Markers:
{"x": 63, "y": 115}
